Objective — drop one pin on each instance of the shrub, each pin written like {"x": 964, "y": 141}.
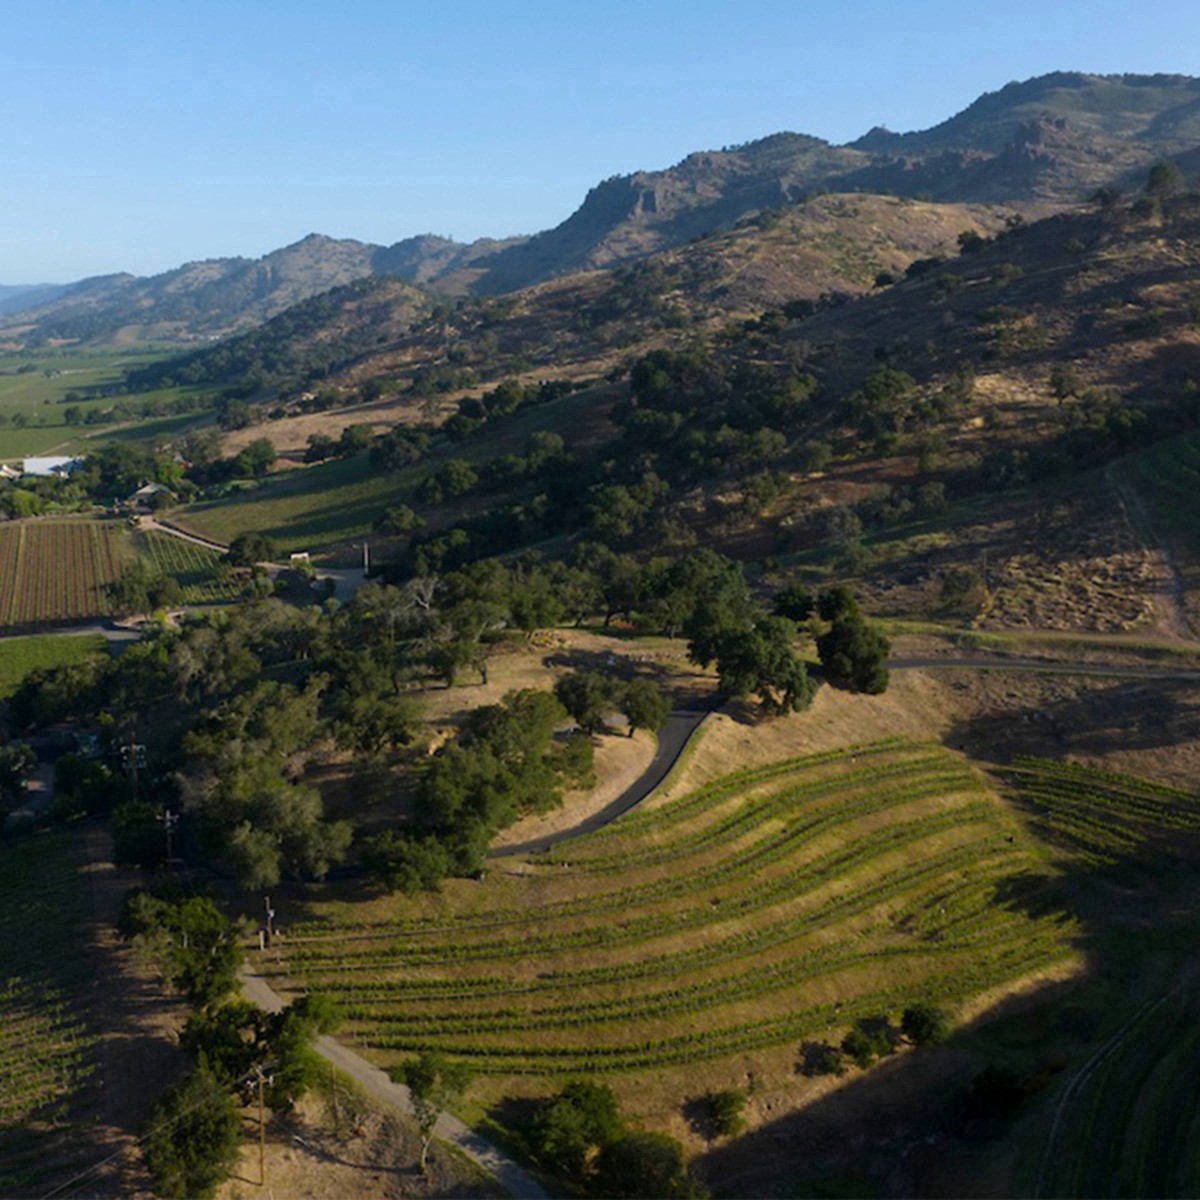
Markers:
{"x": 820, "y": 1058}
{"x": 727, "y": 1112}
{"x": 645, "y": 1164}
{"x": 573, "y": 1126}
{"x": 924, "y": 1024}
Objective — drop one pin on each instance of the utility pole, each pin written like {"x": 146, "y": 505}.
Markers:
{"x": 169, "y": 820}
{"x": 366, "y": 560}
{"x": 263, "y": 1079}
{"x": 270, "y": 918}
{"x": 133, "y": 756}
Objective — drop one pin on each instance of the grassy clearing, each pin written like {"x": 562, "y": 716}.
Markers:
{"x": 305, "y": 508}
{"x": 20, "y": 656}
{"x": 770, "y": 905}
{"x": 46, "y": 1050}
{"x": 52, "y": 570}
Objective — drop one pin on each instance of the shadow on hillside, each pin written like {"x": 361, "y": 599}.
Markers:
{"x": 905, "y": 1127}
{"x": 973, "y": 1116}
{"x": 1135, "y": 715}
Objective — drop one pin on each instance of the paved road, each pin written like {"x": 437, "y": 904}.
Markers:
{"x": 1045, "y": 666}
{"x": 672, "y": 738}
{"x": 111, "y": 633}
{"x": 377, "y": 1084}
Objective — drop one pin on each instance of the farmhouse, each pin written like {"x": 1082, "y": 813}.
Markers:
{"x": 51, "y": 465}
{"x": 142, "y": 501}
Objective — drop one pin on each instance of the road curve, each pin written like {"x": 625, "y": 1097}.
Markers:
{"x": 672, "y": 739}
{"x": 512, "y": 1177}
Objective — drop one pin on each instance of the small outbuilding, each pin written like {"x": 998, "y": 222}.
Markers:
{"x": 143, "y": 500}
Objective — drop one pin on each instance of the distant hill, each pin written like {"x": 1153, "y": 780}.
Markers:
{"x": 15, "y": 297}
{"x": 1042, "y": 144}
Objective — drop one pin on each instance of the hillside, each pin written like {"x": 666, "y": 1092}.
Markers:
{"x": 1041, "y": 144}
{"x": 831, "y": 246}
{"x": 1008, "y": 390}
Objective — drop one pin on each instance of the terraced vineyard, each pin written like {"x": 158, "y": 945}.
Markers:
{"x": 46, "y": 1051}
{"x": 771, "y": 905}
{"x": 1100, "y": 818}
{"x": 56, "y": 571}
{"x": 1129, "y": 1122}
{"x": 196, "y": 567}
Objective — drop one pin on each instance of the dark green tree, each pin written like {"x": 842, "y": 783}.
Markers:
{"x": 435, "y": 1083}
{"x": 256, "y": 459}
{"x": 1164, "y": 180}
{"x": 726, "y": 1112}
{"x": 191, "y": 1139}
{"x": 406, "y": 864}
{"x": 249, "y": 548}
{"x": 642, "y": 1165}
{"x": 644, "y": 706}
{"x": 589, "y": 697}
{"x": 923, "y": 1024}
{"x": 854, "y": 655}
{"x": 573, "y": 1126}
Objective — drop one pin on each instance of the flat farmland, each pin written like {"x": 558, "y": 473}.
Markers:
{"x": 56, "y": 571}
{"x": 34, "y": 400}
{"x": 769, "y": 906}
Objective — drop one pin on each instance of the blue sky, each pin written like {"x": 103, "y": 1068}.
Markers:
{"x": 139, "y": 135}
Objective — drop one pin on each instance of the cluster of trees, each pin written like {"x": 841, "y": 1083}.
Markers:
{"x": 580, "y": 1135}
{"x": 591, "y": 697}
{"x": 233, "y": 707}
{"x": 193, "y": 1132}
{"x": 17, "y": 760}
{"x": 889, "y": 404}
{"x": 506, "y": 762}
{"x": 692, "y": 414}
{"x": 504, "y": 400}
{"x": 853, "y": 652}
{"x": 872, "y": 1038}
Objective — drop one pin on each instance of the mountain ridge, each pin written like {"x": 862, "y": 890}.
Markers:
{"x": 1041, "y": 144}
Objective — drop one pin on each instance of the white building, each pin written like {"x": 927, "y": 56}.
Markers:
{"x": 54, "y": 464}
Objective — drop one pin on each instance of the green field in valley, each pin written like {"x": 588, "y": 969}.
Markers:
{"x": 33, "y": 391}
{"x": 338, "y": 501}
